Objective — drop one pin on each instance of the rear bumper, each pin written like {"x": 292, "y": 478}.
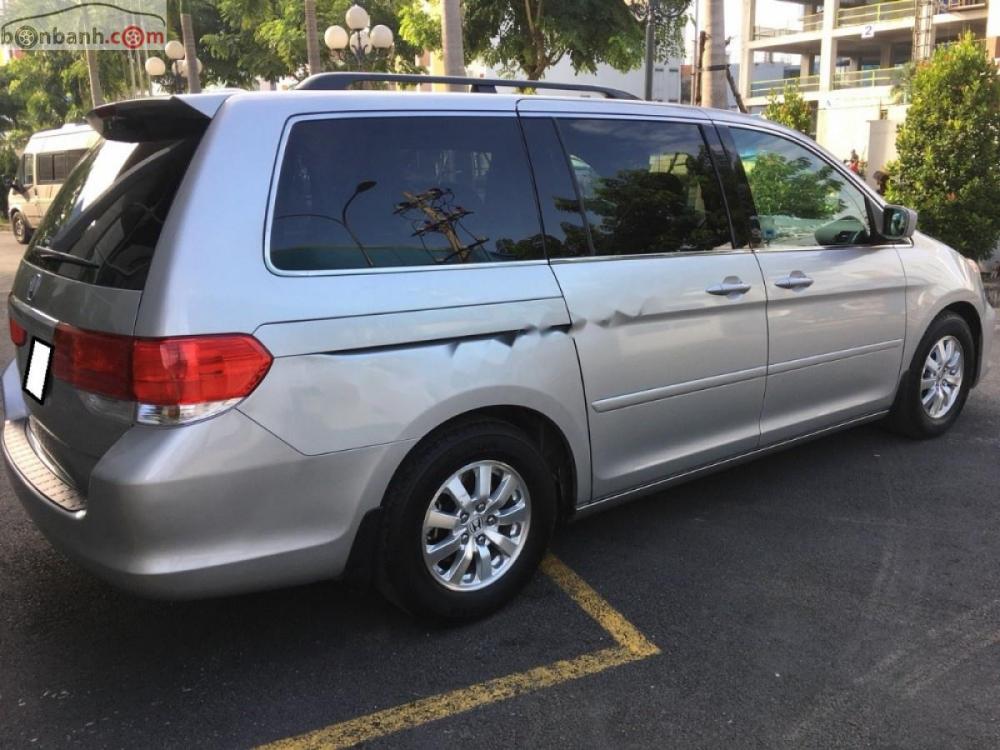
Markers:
{"x": 217, "y": 507}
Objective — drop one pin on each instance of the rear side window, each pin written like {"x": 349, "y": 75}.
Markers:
{"x": 46, "y": 169}
{"x": 63, "y": 163}
{"x": 27, "y": 176}
{"x": 646, "y": 186}
{"x": 565, "y": 228}
{"x": 103, "y": 225}
{"x": 393, "y": 191}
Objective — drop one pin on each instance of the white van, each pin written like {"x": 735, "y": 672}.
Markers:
{"x": 45, "y": 164}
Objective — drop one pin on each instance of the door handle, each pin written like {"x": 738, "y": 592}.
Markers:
{"x": 731, "y": 285}
{"x": 794, "y": 280}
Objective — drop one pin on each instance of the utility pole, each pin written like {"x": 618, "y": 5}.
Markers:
{"x": 451, "y": 38}
{"x": 94, "y": 76}
{"x": 713, "y": 80}
{"x": 651, "y": 11}
{"x": 312, "y": 40}
{"x": 93, "y": 70}
{"x": 696, "y": 59}
{"x": 190, "y": 54}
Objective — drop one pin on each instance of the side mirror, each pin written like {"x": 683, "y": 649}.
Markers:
{"x": 898, "y": 222}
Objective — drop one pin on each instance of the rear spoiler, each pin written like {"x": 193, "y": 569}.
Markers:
{"x": 158, "y": 118}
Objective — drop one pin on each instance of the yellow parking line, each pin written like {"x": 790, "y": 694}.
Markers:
{"x": 632, "y": 646}
{"x": 609, "y": 618}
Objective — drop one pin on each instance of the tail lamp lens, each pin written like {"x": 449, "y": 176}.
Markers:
{"x": 181, "y": 372}
{"x": 17, "y": 333}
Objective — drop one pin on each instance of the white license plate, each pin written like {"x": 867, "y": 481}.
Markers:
{"x": 37, "y": 375}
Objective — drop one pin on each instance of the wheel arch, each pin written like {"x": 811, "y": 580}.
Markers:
{"x": 551, "y": 440}
{"x": 541, "y": 429}
{"x": 968, "y": 312}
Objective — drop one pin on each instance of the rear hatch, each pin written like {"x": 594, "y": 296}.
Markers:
{"x": 84, "y": 272}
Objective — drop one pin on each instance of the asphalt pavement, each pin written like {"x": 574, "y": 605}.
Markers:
{"x": 845, "y": 593}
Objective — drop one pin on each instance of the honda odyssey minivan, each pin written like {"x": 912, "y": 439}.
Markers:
{"x": 270, "y": 338}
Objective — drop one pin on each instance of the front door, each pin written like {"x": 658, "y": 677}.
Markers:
{"x": 836, "y": 297}
{"x": 29, "y": 195}
{"x": 668, "y": 317}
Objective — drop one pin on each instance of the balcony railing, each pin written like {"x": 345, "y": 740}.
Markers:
{"x": 853, "y": 79}
{"x": 946, "y": 6}
{"x": 862, "y": 14}
{"x": 777, "y": 85}
{"x": 811, "y": 22}
{"x": 875, "y": 13}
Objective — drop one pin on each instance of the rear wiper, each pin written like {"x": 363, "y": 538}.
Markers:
{"x": 48, "y": 252}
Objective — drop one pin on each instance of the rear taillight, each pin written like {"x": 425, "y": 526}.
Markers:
{"x": 93, "y": 362}
{"x": 17, "y": 333}
{"x": 173, "y": 380}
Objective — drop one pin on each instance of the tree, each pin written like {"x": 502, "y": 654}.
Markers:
{"x": 714, "y": 86}
{"x": 312, "y": 38}
{"x": 45, "y": 89}
{"x": 791, "y": 110}
{"x": 266, "y": 39}
{"x": 533, "y": 35}
{"x": 791, "y": 187}
{"x": 949, "y": 149}
{"x": 451, "y": 38}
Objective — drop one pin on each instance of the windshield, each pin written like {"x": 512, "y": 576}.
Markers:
{"x": 103, "y": 226}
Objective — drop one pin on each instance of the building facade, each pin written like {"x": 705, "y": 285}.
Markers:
{"x": 851, "y": 54}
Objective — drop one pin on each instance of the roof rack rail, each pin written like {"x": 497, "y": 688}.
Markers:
{"x": 343, "y": 81}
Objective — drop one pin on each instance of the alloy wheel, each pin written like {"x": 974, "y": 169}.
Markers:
{"x": 941, "y": 377}
{"x": 19, "y": 228}
{"x": 476, "y": 526}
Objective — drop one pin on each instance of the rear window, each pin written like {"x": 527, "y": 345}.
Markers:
{"x": 394, "y": 191}
{"x": 103, "y": 226}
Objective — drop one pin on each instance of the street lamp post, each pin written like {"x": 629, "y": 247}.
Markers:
{"x": 360, "y": 40}
{"x": 157, "y": 68}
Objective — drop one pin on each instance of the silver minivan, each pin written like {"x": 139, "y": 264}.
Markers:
{"x": 270, "y": 338}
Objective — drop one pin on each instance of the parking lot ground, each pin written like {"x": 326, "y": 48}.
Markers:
{"x": 844, "y": 593}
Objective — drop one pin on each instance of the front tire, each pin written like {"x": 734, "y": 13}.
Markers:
{"x": 936, "y": 385}
{"x": 467, "y": 521}
{"x": 18, "y": 225}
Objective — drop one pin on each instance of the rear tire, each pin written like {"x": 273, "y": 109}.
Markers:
{"x": 936, "y": 385}
{"x": 467, "y": 520}
{"x": 18, "y": 225}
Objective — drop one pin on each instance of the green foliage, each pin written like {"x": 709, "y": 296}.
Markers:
{"x": 790, "y": 110}
{"x": 792, "y": 187}
{"x": 949, "y": 149}
{"x": 40, "y": 90}
{"x": 249, "y": 39}
{"x": 533, "y": 35}
{"x": 418, "y": 28}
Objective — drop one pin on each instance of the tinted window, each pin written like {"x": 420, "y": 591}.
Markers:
{"x": 109, "y": 212}
{"x": 394, "y": 191}
{"x": 562, "y": 219}
{"x": 801, "y": 200}
{"x": 647, "y": 187}
{"x": 28, "y": 178}
{"x": 46, "y": 168}
{"x": 63, "y": 163}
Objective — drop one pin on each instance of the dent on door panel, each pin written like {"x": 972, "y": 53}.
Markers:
{"x": 352, "y": 382}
